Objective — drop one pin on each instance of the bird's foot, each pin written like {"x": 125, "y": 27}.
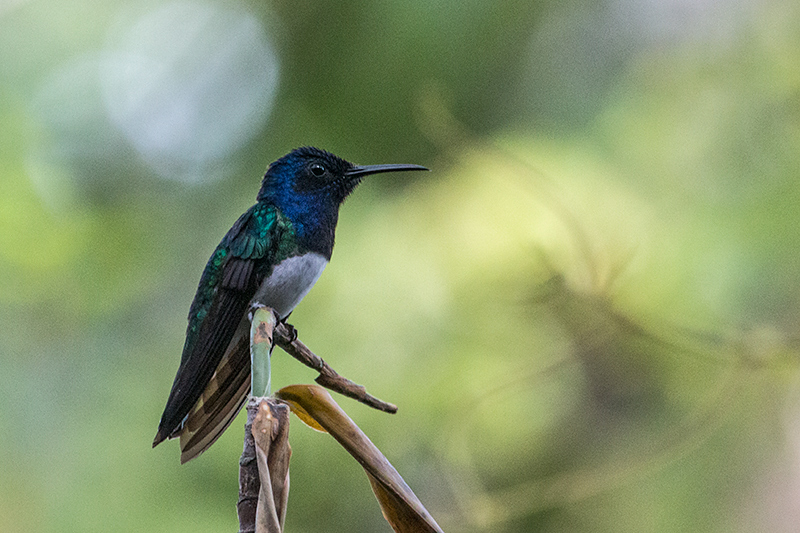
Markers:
{"x": 292, "y": 331}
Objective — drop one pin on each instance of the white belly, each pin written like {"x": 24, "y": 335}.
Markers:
{"x": 290, "y": 281}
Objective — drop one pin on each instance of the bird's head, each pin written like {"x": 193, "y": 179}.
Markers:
{"x": 309, "y": 174}
{"x": 310, "y": 184}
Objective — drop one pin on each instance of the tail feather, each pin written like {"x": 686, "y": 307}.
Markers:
{"x": 195, "y": 443}
{"x": 220, "y": 402}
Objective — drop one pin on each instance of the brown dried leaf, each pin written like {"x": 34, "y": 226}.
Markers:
{"x": 400, "y": 506}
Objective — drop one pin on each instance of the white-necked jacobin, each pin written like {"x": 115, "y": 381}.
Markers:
{"x": 272, "y": 255}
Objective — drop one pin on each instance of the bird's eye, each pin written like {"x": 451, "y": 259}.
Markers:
{"x": 317, "y": 169}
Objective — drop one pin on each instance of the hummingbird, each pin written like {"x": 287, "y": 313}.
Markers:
{"x": 272, "y": 255}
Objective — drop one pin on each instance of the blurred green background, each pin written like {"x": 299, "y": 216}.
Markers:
{"x": 587, "y": 313}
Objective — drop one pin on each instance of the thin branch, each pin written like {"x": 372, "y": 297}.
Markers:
{"x": 271, "y": 434}
{"x": 264, "y": 467}
{"x": 328, "y": 377}
{"x": 249, "y": 482}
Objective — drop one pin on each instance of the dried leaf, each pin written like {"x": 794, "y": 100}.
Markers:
{"x": 304, "y": 417}
{"x": 400, "y": 506}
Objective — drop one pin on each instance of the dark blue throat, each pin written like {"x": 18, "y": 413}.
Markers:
{"x": 313, "y": 216}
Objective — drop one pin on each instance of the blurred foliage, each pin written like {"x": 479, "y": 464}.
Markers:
{"x": 587, "y": 313}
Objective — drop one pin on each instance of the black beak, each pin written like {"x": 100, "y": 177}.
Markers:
{"x": 359, "y": 171}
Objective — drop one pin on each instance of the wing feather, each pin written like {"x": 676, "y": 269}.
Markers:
{"x": 227, "y": 285}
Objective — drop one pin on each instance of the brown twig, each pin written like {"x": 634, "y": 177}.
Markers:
{"x": 249, "y": 482}
{"x": 328, "y": 378}
{"x": 264, "y": 467}
{"x": 271, "y": 435}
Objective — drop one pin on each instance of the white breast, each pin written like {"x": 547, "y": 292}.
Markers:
{"x": 290, "y": 281}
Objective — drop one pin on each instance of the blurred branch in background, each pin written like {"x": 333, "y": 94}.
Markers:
{"x": 616, "y": 358}
{"x": 628, "y": 366}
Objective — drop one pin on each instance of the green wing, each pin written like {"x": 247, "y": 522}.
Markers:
{"x": 212, "y": 380}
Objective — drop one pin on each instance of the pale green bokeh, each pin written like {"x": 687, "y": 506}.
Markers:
{"x": 587, "y": 312}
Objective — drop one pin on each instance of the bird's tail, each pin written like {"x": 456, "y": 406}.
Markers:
{"x": 219, "y": 404}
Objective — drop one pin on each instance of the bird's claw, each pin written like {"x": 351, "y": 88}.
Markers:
{"x": 292, "y": 332}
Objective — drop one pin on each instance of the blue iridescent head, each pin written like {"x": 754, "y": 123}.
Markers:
{"x": 304, "y": 173}
{"x": 309, "y": 185}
